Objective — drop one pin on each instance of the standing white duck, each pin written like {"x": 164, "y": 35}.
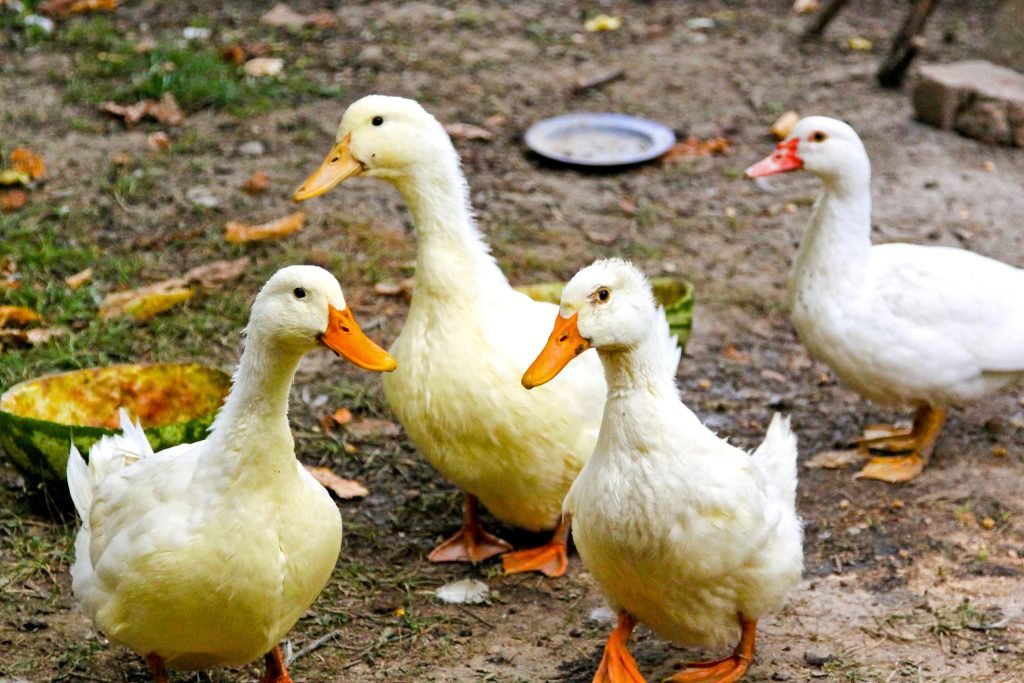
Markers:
{"x": 900, "y": 324}
{"x": 465, "y": 344}
{"x": 206, "y": 554}
{"x": 682, "y": 531}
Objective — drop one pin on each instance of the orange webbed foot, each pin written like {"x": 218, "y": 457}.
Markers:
{"x": 894, "y": 469}
{"x": 617, "y": 664}
{"x": 551, "y": 560}
{"x": 276, "y": 670}
{"x": 469, "y": 545}
{"x": 720, "y": 671}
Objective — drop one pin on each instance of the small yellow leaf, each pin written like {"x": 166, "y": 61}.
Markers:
{"x": 17, "y": 315}
{"x": 28, "y": 162}
{"x": 859, "y": 44}
{"x": 602, "y": 22}
{"x": 145, "y": 302}
{"x": 78, "y": 279}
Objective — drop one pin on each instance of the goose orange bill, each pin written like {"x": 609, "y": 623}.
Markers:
{"x": 339, "y": 165}
{"x": 344, "y": 337}
{"x": 564, "y": 344}
{"x": 783, "y": 159}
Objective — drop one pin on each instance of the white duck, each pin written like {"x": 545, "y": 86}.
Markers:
{"x": 206, "y": 554}
{"x": 465, "y": 344}
{"x": 683, "y": 532}
{"x": 900, "y": 324}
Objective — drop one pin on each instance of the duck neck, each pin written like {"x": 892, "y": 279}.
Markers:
{"x": 639, "y": 369}
{"x": 453, "y": 263}
{"x": 837, "y": 245}
{"x": 251, "y": 431}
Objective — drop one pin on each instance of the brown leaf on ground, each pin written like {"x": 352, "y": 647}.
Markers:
{"x": 322, "y": 19}
{"x": 257, "y": 183}
{"x": 730, "y": 352}
{"x": 834, "y": 460}
{"x": 59, "y": 9}
{"x": 12, "y": 200}
{"x": 260, "y": 67}
{"x": 237, "y": 233}
{"x": 17, "y": 315}
{"x": 283, "y": 16}
{"x": 159, "y": 140}
{"x": 145, "y": 302}
{"x": 346, "y": 489}
{"x": 693, "y": 147}
{"x": 32, "y": 337}
{"x": 78, "y": 279}
{"x": 166, "y": 111}
{"x": 217, "y": 272}
{"x": 467, "y": 131}
{"x": 28, "y": 162}
{"x": 370, "y": 427}
{"x": 341, "y": 416}
{"x": 234, "y": 54}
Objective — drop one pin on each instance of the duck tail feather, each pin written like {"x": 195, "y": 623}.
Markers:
{"x": 776, "y": 457}
{"x": 79, "y": 484}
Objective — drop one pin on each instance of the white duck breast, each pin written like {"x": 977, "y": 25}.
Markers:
{"x": 898, "y": 323}
{"x": 683, "y": 532}
{"x": 206, "y": 554}
{"x": 465, "y": 344}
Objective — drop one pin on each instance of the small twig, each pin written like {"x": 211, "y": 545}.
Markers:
{"x": 476, "y": 616}
{"x": 583, "y": 83}
{"x": 314, "y": 646}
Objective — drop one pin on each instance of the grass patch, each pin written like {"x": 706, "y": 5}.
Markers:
{"x": 106, "y": 66}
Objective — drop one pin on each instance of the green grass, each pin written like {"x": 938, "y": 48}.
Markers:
{"x": 107, "y": 67}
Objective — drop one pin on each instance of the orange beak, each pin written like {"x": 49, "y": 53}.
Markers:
{"x": 339, "y": 165}
{"x": 344, "y": 337}
{"x": 564, "y": 344}
{"x": 783, "y": 159}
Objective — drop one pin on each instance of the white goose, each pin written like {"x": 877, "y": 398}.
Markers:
{"x": 206, "y": 554}
{"x": 900, "y": 324}
{"x": 465, "y": 345}
{"x": 682, "y": 531}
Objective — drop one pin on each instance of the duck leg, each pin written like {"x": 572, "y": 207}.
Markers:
{"x": 156, "y": 667}
{"x": 725, "y": 670}
{"x": 276, "y": 670}
{"x": 551, "y": 559}
{"x": 920, "y": 442}
{"x": 471, "y": 543}
{"x": 617, "y": 665}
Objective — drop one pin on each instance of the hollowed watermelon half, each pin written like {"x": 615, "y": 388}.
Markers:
{"x": 39, "y": 418}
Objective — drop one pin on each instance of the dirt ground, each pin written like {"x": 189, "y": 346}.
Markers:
{"x": 921, "y": 582}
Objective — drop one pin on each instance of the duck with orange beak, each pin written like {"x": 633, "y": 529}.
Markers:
{"x": 206, "y": 554}
{"x": 682, "y": 531}
{"x": 466, "y": 341}
{"x": 901, "y": 324}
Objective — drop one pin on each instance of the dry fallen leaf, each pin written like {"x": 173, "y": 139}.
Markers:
{"x": 693, "y": 147}
{"x": 78, "y": 279}
{"x": 346, "y": 489}
{"x": 257, "y": 183}
{"x": 236, "y": 232}
{"x": 261, "y": 67}
{"x": 159, "y": 140}
{"x": 217, "y": 272}
{"x": 602, "y": 22}
{"x": 784, "y": 124}
{"x": 369, "y": 427}
{"x": 28, "y": 162}
{"x": 166, "y": 111}
{"x": 62, "y": 8}
{"x": 12, "y": 200}
{"x": 17, "y": 315}
{"x": 859, "y": 44}
{"x": 234, "y": 54}
{"x": 145, "y": 302}
{"x": 805, "y": 6}
{"x": 833, "y": 460}
{"x": 9, "y": 176}
{"x": 341, "y": 416}
{"x": 32, "y": 337}
{"x": 281, "y": 15}
{"x": 730, "y": 352}
{"x": 467, "y": 131}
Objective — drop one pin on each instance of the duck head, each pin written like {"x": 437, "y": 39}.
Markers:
{"x": 379, "y": 136}
{"x": 607, "y": 305}
{"x": 302, "y": 307}
{"x": 828, "y": 148}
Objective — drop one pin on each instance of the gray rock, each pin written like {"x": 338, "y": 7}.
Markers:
{"x": 253, "y": 148}
{"x": 818, "y": 656}
{"x": 202, "y": 196}
{"x": 976, "y": 98}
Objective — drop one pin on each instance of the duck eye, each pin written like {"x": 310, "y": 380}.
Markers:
{"x": 603, "y": 294}
{"x": 299, "y": 292}
{"x": 378, "y": 120}
{"x": 818, "y": 136}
